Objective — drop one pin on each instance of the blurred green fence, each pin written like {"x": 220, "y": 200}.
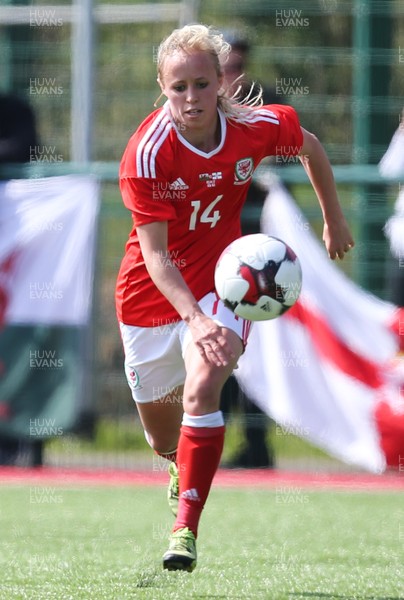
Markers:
{"x": 340, "y": 63}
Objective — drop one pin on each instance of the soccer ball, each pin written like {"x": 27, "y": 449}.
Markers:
{"x": 258, "y": 277}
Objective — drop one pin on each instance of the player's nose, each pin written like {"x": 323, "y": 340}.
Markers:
{"x": 192, "y": 94}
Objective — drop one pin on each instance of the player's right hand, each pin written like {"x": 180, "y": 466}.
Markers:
{"x": 210, "y": 342}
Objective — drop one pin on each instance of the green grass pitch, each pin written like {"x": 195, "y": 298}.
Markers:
{"x": 284, "y": 543}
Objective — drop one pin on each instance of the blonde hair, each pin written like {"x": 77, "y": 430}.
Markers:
{"x": 191, "y": 38}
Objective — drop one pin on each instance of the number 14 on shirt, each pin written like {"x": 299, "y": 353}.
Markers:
{"x": 208, "y": 216}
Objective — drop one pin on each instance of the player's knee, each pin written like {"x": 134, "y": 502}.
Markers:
{"x": 201, "y": 395}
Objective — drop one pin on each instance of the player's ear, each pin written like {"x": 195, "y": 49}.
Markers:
{"x": 162, "y": 92}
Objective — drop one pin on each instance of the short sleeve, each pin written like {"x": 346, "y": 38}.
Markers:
{"x": 146, "y": 199}
{"x": 289, "y": 140}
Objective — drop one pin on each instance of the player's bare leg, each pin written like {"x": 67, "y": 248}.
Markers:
{"x": 161, "y": 420}
{"x": 204, "y": 381}
{"x": 199, "y": 448}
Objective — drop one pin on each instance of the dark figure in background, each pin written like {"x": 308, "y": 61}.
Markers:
{"x": 257, "y": 452}
{"x": 17, "y": 139}
{"x": 17, "y": 130}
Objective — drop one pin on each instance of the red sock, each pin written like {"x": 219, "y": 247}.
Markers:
{"x": 199, "y": 452}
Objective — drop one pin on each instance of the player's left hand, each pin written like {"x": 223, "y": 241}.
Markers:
{"x": 337, "y": 239}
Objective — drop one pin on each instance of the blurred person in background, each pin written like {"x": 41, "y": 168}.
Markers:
{"x": 392, "y": 165}
{"x": 255, "y": 449}
{"x": 235, "y": 71}
{"x": 18, "y": 134}
{"x": 18, "y": 137}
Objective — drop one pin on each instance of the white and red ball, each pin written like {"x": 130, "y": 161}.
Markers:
{"x": 258, "y": 277}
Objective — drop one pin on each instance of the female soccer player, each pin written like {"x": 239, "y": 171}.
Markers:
{"x": 184, "y": 176}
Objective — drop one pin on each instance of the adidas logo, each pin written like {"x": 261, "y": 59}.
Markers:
{"x": 178, "y": 184}
{"x": 191, "y": 494}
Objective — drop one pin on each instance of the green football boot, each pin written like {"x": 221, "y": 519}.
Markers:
{"x": 181, "y": 553}
{"x": 173, "y": 491}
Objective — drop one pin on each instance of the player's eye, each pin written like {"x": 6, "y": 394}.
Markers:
{"x": 202, "y": 84}
{"x": 179, "y": 88}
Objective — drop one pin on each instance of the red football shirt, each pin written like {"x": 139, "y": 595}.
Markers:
{"x": 200, "y": 195}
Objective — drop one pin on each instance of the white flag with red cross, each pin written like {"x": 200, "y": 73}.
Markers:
{"x": 328, "y": 369}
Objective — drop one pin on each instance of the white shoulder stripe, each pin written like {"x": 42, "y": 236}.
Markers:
{"x": 264, "y": 115}
{"x": 156, "y": 147}
{"x": 147, "y": 150}
{"x": 267, "y": 119}
{"x": 267, "y": 113}
{"x": 143, "y": 142}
